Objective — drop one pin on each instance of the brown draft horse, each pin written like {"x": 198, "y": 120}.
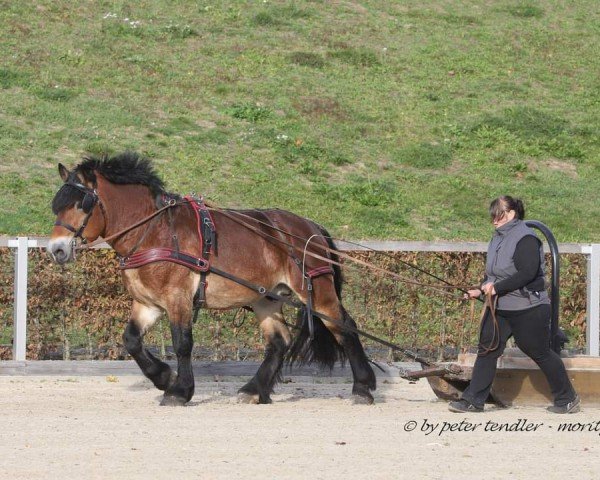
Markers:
{"x": 104, "y": 196}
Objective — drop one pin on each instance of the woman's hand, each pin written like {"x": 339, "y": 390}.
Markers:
{"x": 473, "y": 293}
{"x": 488, "y": 288}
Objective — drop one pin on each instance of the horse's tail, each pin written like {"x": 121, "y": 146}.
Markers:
{"x": 322, "y": 349}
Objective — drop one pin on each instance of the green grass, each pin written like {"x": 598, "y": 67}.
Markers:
{"x": 378, "y": 119}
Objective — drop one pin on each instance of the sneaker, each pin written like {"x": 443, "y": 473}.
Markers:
{"x": 463, "y": 406}
{"x": 571, "y": 407}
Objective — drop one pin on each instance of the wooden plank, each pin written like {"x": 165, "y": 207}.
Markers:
{"x": 526, "y": 387}
{"x": 518, "y": 360}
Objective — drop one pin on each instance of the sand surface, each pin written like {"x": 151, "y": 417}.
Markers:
{"x": 112, "y": 427}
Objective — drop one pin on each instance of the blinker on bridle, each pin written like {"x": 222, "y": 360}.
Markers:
{"x": 90, "y": 199}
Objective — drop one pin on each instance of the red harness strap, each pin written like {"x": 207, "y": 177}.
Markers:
{"x": 163, "y": 254}
{"x": 317, "y": 272}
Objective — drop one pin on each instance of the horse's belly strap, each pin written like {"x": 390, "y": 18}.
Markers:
{"x": 152, "y": 255}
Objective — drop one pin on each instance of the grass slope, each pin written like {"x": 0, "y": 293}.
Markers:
{"x": 377, "y": 119}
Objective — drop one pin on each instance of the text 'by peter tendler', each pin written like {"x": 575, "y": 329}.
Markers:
{"x": 428, "y": 427}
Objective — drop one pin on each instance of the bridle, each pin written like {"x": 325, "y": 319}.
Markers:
{"x": 90, "y": 200}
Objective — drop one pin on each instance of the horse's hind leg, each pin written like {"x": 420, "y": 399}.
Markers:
{"x": 142, "y": 318}
{"x": 277, "y": 338}
{"x": 364, "y": 377}
{"x": 324, "y": 348}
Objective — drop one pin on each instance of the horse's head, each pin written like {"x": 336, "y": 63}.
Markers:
{"x": 79, "y": 214}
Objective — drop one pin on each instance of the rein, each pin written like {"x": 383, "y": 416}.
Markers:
{"x": 491, "y": 302}
{"x": 173, "y": 203}
{"x": 343, "y": 255}
{"x": 337, "y": 252}
{"x": 203, "y": 267}
{"x": 131, "y": 227}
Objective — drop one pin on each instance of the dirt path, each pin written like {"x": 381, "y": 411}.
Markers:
{"x": 112, "y": 427}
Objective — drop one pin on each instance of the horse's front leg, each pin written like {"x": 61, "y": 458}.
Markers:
{"x": 182, "y": 390}
{"x": 142, "y": 318}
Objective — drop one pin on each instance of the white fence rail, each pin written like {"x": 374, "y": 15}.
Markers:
{"x": 592, "y": 251}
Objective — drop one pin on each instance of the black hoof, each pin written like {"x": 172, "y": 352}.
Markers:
{"x": 361, "y": 395}
{"x": 251, "y": 393}
{"x": 253, "y": 398}
{"x": 172, "y": 401}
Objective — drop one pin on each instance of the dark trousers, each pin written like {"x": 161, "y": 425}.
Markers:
{"x": 531, "y": 329}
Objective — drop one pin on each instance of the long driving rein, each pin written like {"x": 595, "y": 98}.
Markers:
{"x": 91, "y": 199}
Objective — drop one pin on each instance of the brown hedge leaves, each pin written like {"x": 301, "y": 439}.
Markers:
{"x": 79, "y": 311}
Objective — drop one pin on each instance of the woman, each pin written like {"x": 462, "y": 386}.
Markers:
{"x": 515, "y": 279}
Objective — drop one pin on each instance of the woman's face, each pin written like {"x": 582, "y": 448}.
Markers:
{"x": 503, "y": 219}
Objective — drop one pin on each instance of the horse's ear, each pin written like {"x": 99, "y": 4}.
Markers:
{"x": 63, "y": 172}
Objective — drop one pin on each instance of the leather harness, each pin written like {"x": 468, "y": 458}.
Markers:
{"x": 207, "y": 235}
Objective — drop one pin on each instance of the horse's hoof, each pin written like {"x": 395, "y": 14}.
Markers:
{"x": 244, "y": 397}
{"x": 172, "y": 401}
{"x": 362, "y": 399}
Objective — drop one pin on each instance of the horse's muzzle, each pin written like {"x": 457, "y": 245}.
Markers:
{"x": 61, "y": 250}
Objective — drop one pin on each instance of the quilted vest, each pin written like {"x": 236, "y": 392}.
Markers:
{"x": 500, "y": 265}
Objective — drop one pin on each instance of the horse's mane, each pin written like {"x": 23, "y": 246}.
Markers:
{"x": 125, "y": 168}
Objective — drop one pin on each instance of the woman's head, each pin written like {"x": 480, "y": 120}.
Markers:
{"x": 506, "y": 208}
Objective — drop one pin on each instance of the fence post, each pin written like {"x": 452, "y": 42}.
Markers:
{"x": 20, "y": 302}
{"x": 593, "y": 300}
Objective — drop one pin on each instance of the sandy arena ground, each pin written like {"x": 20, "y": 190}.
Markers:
{"x": 112, "y": 427}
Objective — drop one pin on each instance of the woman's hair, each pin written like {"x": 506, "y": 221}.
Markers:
{"x": 506, "y": 203}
